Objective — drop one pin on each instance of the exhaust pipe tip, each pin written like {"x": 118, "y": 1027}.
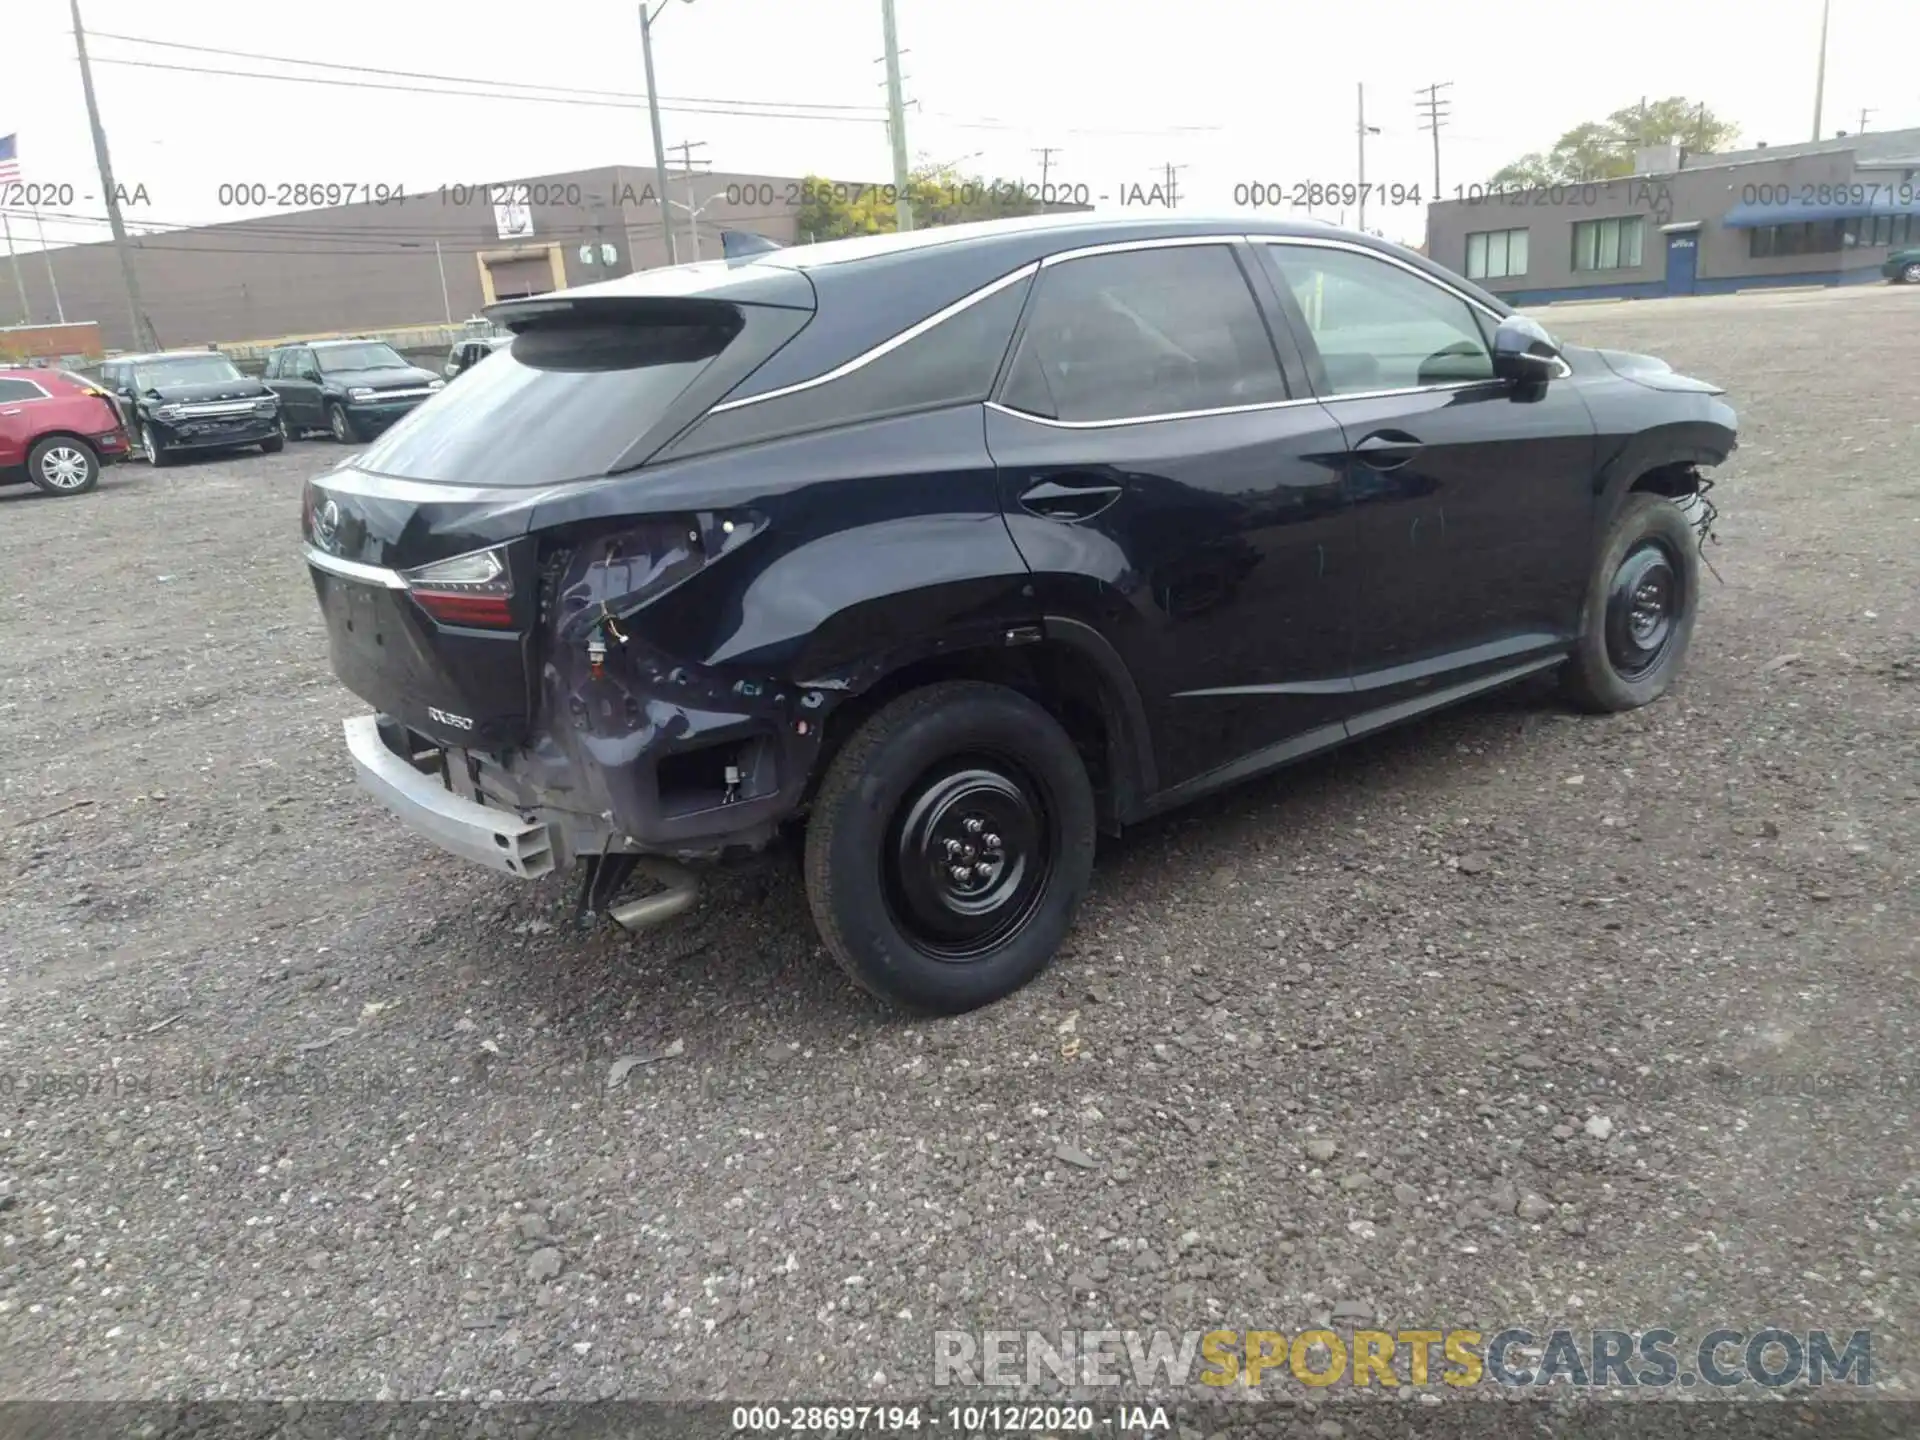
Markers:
{"x": 682, "y": 888}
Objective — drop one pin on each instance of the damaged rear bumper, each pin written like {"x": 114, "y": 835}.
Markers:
{"x": 499, "y": 839}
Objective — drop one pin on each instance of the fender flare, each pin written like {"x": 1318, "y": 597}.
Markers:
{"x": 1134, "y": 734}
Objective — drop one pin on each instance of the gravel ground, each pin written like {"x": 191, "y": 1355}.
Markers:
{"x": 1507, "y": 1017}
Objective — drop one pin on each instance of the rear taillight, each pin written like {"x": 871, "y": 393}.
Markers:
{"x": 474, "y": 590}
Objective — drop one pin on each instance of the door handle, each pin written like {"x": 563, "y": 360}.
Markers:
{"x": 1387, "y": 449}
{"x": 1069, "y": 497}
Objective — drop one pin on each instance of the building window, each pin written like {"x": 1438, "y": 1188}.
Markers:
{"x": 1496, "y": 254}
{"x": 1612, "y": 244}
{"x": 1809, "y": 237}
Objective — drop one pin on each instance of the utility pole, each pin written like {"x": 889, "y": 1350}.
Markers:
{"x": 1364, "y": 130}
{"x": 46, "y": 254}
{"x": 1171, "y": 186}
{"x": 686, "y": 149}
{"x": 896, "y": 121}
{"x": 1864, "y": 113}
{"x": 446, "y": 301}
{"x": 1046, "y": 155}
{"x": 1436, "y": 116}
{"x": 653, "y": 113}
{"x": 1820, "y": 79}
{"x": 6, "y": 229}
{"x": 136, "y": 312}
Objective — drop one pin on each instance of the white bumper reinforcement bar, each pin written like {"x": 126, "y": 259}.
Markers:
{"x": 498, "y": 839}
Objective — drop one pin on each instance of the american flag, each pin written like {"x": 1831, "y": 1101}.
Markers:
{"x": 10, "y": 158}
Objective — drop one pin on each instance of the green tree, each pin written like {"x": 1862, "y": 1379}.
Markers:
{"x": 940, "y": 194}
{"x": 1603, "y": 149}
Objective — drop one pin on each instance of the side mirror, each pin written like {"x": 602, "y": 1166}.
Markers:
{"x": 1524, "y": 352}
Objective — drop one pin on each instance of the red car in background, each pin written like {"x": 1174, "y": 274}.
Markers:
{"x": 56, "y": 430}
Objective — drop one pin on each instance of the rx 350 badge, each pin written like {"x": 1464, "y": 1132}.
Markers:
{"x": 441, "y": 717}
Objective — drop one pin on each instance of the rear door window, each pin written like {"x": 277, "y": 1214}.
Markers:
{"x": 1143, "y": 333}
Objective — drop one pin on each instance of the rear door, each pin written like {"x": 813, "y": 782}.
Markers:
{"x": 18, "y": 399}
{"x": 298, "y": 387}
{"x": 1163, "y": 480}
{"x": 1472, "y": 498}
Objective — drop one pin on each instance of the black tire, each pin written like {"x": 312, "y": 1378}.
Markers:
{"x": 340, "y": 424}
{"x": 1638, "y": 617}
{"x": 273, "y": 444}
{"x": 63, "y": 465}
{"x": 157, "y": 454}
{"x": 937, "y": 760}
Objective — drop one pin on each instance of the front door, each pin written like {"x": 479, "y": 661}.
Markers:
{"x": 1683, "y": 261}
{"x": 1472, "y": 498}
{"x": 1158, "y": 476}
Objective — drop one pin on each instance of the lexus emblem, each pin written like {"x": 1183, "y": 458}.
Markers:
{"x": 326, "y": 524}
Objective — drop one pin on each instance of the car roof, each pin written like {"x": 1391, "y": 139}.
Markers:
{"x": 161, "y": 355}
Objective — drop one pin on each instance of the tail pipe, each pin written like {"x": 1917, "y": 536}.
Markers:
{"x": 682, "y": 888}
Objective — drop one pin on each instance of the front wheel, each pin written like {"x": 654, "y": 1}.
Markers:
{"x": 1912, "y": 273}
{"x": 949, "y": 846}
{"x": 341, "y": 425}
{"x": 63, "y": 466}
{"x": 1640, "y": 607}
{"x": 156, "y": 452}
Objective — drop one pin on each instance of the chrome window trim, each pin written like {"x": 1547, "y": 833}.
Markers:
{"x": 354, "y": 570}
{"x": 1121, "y": 247}
{"x": 886, "y": 347}
{"x": 1238, "y": 409}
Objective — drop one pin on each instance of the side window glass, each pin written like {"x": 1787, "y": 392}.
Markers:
{"x": 273, "y": 364}
{"x": 953, "y": 363}
{"x": 11, "y": 390}
{"x": 1378, "y": 327}
{"x": 1142, "y": 333}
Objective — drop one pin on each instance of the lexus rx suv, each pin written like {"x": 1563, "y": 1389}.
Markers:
{"x": 947, "y": 551}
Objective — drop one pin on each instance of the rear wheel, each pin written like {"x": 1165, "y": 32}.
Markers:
{"x": 1641, "y": 601}
{"x": 949, "y": 846}
{"x": 341, "y": 424}
{"x": 61, "y": 465}
{"x": 1912, "y": 273}
{"x": 157, "y": 453}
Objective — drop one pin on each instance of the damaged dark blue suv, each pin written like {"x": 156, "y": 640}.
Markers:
{"x": 957, "y": 547}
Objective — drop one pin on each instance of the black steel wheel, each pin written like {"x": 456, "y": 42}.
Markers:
{"x": 1644, "y": 605}
{"x": 969, "y": 856}
{"x": 949, "y": 845}
{"x": 1641, "y": 600}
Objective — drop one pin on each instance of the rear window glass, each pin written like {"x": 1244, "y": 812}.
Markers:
{"x": 562, "y": 403}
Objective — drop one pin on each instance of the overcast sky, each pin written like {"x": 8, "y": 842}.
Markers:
{"x": 1234, "y": 91}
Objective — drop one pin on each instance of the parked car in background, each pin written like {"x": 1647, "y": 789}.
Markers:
{"x": 185, "y": 400}
{"x": 57, "y": 430}
{"x": 957, "y": 546}
{"x": 1903, "y": 266}
{"x": 470, "y": 352}
{"x": 352, "y": 389}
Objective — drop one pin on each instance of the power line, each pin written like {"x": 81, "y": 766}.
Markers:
{"x": 469, "y": 80}
{"x": 860, "y": 119}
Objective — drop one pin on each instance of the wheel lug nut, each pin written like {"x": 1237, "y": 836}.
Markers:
{"x": 982, "y": 871}
{"x": 992, "y": 842}
{"x": 974, "y": 827}
{"x": 953, "y": 847}
{"x": 960, "y": 874}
